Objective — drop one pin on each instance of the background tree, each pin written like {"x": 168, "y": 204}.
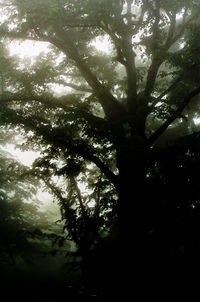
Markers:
{"x": 29, "y": 235}
{"x": 106, "y": 121}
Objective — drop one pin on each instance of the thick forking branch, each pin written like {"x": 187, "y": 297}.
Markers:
{"x": 171, "y": 39}
{"x": 126, "y": 56}
{"x": 111, "y": 106}
{"x": 173, "y": 117}
{"x": 129, "y": 56}
{"x": 156, "y": 61}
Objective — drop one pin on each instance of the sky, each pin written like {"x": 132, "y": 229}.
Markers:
{"x": 27, "y": 49}
{"x": 26, "y": 157}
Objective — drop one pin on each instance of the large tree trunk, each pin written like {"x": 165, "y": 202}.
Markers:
{"x": 133, "y": 211}
{"x": 131, "y": 163}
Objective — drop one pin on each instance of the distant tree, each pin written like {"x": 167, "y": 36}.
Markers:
{"x": 27, "y": 233}
{"x": 101, "y": 133}
{"x": 18, "y": 217}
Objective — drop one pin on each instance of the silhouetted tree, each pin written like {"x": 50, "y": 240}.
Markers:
{"x": 102, "y": 131}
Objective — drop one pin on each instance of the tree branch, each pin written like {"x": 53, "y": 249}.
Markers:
{"x": 129, "y": 11}
{"x": 19, "y": 35}
{"x": 56, "y": 191}
{"x": 171, "y": 30}
{"x": 104, "y": 169}
{"x": 61, "y": 140}
{"x": 152, "y": 75}
{"x": 129, "y": 57}
{"x": 173, "y": 117}
{"x": 156, "y": 59}
{"x": 82, "y": 25}
{"x": 126, "y": 55}
{"x": 61, "y": 102}
{"x": 176, "y": 82}
{"x": 74, "y": 86}
{"x": 112, "y": 108}
{"x": 182, "y": 27}
{"x": 87, "y": 154}
{"x": 170, "y": 88}
{"x": 80, "y": 199}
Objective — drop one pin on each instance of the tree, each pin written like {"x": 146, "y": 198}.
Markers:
{"x": 152, "y": 73}
{"x": 20, "y": 219}
{"x": 28, "y": 235}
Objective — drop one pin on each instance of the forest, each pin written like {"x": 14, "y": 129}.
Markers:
{"x": 116, "y": 130}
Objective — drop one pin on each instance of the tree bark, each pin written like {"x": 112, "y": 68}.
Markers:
{"x": 131, "y": 157}
{"x": 132, "y": 214}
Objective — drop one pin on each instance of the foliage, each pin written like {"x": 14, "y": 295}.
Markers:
{"x": 17, "y": 216}
{"x": 27, "y": 233}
